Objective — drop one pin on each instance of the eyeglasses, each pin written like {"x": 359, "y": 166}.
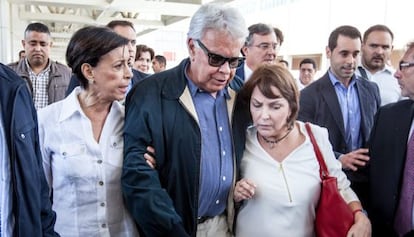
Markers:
{"x": 267, "y": 46}
{"x": 216, "y": 60}
{"x": 405, "y": 65}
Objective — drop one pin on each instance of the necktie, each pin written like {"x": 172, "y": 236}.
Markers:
{"x": 403, "y": 217}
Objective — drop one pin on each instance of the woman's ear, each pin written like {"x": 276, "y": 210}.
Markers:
{"x": 87, "y": 71}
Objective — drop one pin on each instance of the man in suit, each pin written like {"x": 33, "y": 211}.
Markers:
{"x": 345, "y": 104}
{"x": 393, "y": 127}
{"x": 125, "y": 29}
{"x": 260, "y": 47}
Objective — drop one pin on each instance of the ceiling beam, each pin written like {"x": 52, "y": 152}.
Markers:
{"x": 76, "y": 19}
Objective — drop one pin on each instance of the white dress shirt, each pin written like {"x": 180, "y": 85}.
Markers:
{"x": 84, "y": 176}
{"x": 6, "y": 202}
{"x": 287, "y": 192}
{"x": 390, "y": 91}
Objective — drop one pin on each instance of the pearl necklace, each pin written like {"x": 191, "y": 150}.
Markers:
{"x": 272, "y": 143}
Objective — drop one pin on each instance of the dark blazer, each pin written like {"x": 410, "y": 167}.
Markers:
{"x": 388, "y": 145}
{"x": 137, "y": 76}
{"x": 32, "y": 208}
{"x": 319, "y": 105}
{"x": 240, "y": 71}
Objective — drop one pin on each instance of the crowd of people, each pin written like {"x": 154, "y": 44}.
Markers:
{"x": 215, "y": 146}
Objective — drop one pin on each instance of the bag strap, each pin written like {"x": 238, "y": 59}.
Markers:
{"x": 323, "y": 171}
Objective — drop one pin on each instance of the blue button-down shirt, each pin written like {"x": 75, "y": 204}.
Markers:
{"x": 216, "y": 150}
{"x": 349, "y": 101}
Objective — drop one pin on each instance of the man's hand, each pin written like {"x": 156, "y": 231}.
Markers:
{"x": 354, "y": 159}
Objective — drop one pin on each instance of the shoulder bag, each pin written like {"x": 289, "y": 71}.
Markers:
{"x": 333, "y": 217}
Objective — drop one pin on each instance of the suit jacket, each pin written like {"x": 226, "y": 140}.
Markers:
{"x": 32, "y": 209}
{"x": 388, "y": 145}
{"x": 74, "y": 81}
{"x": 240, "y": 71}
{"x": 319, "y": 105}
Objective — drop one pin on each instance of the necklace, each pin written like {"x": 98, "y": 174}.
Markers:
{"x": 272, "y": 143}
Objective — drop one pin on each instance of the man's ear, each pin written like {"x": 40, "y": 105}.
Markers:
{"x": 191, "y": 47}
{"x": 328, "y": 52}
{"x": 245, "y": 50}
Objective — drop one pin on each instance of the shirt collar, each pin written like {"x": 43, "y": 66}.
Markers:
{"x": 72, "y": 105}
{"x": 46, "y": 69}
{"x": 335, "y": 80}
{"x": 194, "y": 89}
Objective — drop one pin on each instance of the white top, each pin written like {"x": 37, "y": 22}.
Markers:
{"x": 287, "y": 193}
{"x": 85, "y": 176}
{"x": 247, "y": 72}
{"x": 389, "y": 89}
{"x": 6, "y": 202}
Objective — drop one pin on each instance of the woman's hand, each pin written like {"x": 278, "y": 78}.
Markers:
{"x": 244, "y": 190}
{"x": 150, "y": 157}
{"x": 361, "y": 226}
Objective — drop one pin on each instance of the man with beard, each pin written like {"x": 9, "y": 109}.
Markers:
{"x": 47, "y": 80}
{"x": 345, "y": 104}
{"x": 375, "y": 53}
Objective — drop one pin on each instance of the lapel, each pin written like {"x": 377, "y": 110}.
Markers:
{"x": 331, "y": 99}
{"x": 240, "y": 71}
{"x": 365, "y": 104}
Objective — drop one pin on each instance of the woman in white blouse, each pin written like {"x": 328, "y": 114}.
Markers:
{"x": 280, "y": 182}
{"x": 81, "y": 139}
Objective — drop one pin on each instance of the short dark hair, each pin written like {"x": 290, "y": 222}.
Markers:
{"x": 37, "y": 27}
{"x": 161, "y": 59}
{"x": 21, "y": 52}
{"x": 284, "y": 62}
{"x": 378, "y": 27}
{"x": 260, "y": 29}
{"x": 143, "y": 48}
{"x": 115, "y": 23}
{"x": 345, "y": 30}
{"x": 279, "y": 35}
{"x": 88, "y": 45}
{"x": 268, "y": 75}
{"x": 308, "y": 61}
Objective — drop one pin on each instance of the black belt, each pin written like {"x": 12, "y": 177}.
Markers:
{"x": 202, "y": 219}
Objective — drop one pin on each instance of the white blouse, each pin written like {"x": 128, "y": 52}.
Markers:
{"x": 287, "y": 192}
{"x": 84, "y": 176}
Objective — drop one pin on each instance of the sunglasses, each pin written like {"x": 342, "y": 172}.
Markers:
{"x": 403, "y": 65}
{"x": 216, "y": 60}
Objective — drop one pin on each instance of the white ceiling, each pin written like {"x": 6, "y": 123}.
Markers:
{"x": 64, "y": 17}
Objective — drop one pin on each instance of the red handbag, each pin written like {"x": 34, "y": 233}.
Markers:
{"x": 333, "y": 217}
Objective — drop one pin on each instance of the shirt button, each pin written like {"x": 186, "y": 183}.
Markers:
{"x": 102, "y": 204}
{"x": 22, "y": 136}
{"x": 99, "y": 161}
{"x": 64, "y": 153}
{"x": 101, "y": 183}
{"x": 224, "y": 153}
{"x": 224, "y": 178}
{"x": 217, "y": 201}
{"x": 220, "y": 128}
{"x": 114, "y": 144}
{"x": 103, "y": 225}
